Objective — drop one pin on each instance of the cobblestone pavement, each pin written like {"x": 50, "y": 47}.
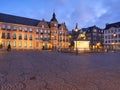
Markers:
{"x": 45, "y": 70}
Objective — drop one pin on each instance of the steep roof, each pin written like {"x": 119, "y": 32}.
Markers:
{"x": 18, "y": 20}
{"x": 54, "y": 18}
{"x": 117, "y": 24}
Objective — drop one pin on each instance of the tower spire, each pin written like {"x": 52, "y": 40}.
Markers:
{"x": 76, "y": 28}
{"x": 54, "y": 17}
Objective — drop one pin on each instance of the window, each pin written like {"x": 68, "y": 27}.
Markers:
{"x": 48, "y": 31}
{"x": 14, "y": 36}
{"x": 55, "y": 25}
{"x": 55, "y": 31}
{"x": 20, "y": 44}
{"x": 37, "y": 37}
{"x": 45, "y": 31}
{"x": 20, "y": 28}
{"x": 14, "y": 27}
{"x": 3, "y": 35}
{"x": 8, "y": 27}
{"x": 37, "y": 31}
{"x": 30, "y": 38}
{"x": 43, "y": 26}
{"x": 14, "y": 43}
{"x": 41, "y": 36}
{"x": 20, "y": 37}
{"x": 25, "y": 44}
{"x": 41, "y": 31}
{"x": 30, "y": 29}
{"x": 3, "y": 26}
{"x": 25, "y": 37}
{"x": 25, "y": 29}
{"x": 60, "y": 33}
{"x": 45, "y": 36}
{"x": 8, "y": 35}
{"x": 94, "y": 30}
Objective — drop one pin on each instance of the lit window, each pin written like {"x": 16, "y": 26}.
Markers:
{"x": 41, "y": 31}
{"x": 14, "y": 43}
{"x": 45, "y": 31}
{"x": 20, "y": 44}
{"x": 25, "y": 44}
{"x": 41, "y": 36}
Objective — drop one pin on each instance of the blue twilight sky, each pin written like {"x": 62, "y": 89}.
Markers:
{"x": 84, "y": 12}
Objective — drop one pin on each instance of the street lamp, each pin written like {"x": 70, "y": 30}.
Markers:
{"x": 76, "y": 30}
{"x": 114, "y": 35}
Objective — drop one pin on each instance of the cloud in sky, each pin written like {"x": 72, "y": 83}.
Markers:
{"x": 84, "y": 12}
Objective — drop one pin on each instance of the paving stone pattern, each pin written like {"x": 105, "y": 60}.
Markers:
{"x": 46, "y": 70}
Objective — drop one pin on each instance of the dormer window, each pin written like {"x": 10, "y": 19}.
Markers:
{"x": 43, "y": 26}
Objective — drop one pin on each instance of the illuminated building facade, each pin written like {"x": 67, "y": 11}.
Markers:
{"x": 95, "y": 36}
{"x": 26, "y": 33}
{"x": 112, "y": 36}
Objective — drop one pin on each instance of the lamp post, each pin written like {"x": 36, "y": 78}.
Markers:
{"x": 76, "y": 30}
{"x": 114, "y": 36}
